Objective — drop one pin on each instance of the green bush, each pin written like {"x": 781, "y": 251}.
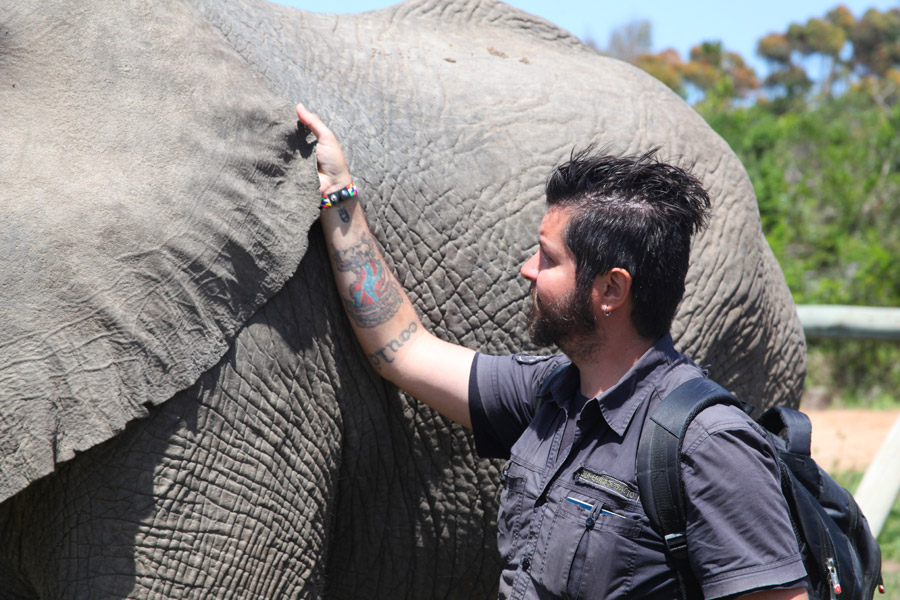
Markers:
{"x": 827, "y": 180}
{"x": 872, "y": 381}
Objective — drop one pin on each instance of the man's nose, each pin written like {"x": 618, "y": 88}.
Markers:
{"x": 529, "y": 268}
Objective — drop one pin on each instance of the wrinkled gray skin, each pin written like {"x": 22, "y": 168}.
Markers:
{"x": 185, "y": 412}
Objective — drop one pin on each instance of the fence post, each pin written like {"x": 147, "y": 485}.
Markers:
{"x": 880, "y": 486}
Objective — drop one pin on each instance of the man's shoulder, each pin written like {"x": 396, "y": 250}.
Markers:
{"x": 522, "y": 372}
{"x": 523, "y": 358}
{"x": 670, "y": 374}
{"x": 534, "y": 367}
{"x": 726, "y": 420}
{"x": 716, "y": 418}
{"x": 503, "y": 398}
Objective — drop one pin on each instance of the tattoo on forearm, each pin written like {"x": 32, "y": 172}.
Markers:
{"x": 386, "y": 353}
{"x": 343, "y": 214}
{"x": 374, "y": 297}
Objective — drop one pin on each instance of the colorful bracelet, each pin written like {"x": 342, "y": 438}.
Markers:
{"x": 329, "y": 200}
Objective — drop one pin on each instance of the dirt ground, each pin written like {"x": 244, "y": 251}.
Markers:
{"x": 844, "y": 440}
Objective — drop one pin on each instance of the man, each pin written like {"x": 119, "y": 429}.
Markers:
{"x": 606, "y": 279}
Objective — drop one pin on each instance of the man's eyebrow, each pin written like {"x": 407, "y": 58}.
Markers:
{"x": 545, "y": 248}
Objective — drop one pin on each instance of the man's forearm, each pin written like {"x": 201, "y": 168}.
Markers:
{"x": 385, "y": 322}
{"x": 381, "y": 314}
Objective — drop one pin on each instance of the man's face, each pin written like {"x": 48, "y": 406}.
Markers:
{"x": 558, "y": 313}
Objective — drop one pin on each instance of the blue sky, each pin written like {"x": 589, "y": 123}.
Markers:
{"x": 677, "y": 25}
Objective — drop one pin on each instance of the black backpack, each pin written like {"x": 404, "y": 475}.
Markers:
{"x": 842, "y": 558}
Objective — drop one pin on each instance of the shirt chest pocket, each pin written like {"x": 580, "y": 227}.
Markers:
{"x": 519, "y": 481}
{"x": 590, "y": 547}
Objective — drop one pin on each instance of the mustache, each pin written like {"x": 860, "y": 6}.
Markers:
{"x": 532, "y": 293}
{"x": 535, "y": 304}
{"x": 530, "y": 306}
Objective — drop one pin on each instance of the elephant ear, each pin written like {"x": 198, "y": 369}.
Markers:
{"x": 154, "y": 194}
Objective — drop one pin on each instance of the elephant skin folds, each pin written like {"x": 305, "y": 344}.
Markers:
{"x": 185, "y": 411}
{"x": 149, "y": 203}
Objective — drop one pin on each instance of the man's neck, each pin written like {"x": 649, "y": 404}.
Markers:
{"x": 608, "y": 362}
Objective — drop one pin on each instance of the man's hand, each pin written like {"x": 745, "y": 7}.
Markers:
{"x": 332, "y": 166}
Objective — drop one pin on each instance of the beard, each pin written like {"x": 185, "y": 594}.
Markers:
{"x": 568, "y": 323}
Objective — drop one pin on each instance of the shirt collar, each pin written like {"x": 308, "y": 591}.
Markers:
{"x": 619, "y": 403}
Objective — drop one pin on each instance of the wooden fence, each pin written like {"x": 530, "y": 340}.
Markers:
{"x": 880, "y": 485}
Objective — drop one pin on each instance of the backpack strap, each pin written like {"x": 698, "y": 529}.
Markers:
{"x": 792, "y": 426}
{"x": 658, "y": 465}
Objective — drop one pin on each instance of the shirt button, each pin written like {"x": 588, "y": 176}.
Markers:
{"x": 526, "y": 563}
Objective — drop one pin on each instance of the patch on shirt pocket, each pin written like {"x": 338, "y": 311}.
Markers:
{"x": 607, "y": 483}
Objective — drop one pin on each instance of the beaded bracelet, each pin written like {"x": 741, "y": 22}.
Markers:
{"x": 329, "y": 200}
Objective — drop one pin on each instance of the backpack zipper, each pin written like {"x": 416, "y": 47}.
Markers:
{"x": 833, "y": 578}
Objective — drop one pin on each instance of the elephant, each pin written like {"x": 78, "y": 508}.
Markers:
{"x": 185, "y": 412}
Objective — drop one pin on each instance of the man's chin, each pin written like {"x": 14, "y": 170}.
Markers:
{"x": 540, "y": 337}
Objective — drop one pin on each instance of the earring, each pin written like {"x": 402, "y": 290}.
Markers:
{"x": 606, "y": 312}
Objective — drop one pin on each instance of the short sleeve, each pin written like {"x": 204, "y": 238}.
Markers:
{"x": 502, "y": 398}
{"x": 739, "y": 532}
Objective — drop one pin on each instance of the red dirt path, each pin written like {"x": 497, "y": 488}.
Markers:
{"x": 844, "y": 440}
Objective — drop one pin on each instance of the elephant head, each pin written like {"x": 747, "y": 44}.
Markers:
{"x": 183, "y": 409}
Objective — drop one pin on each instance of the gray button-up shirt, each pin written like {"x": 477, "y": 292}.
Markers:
{"x": 571, "y": 522}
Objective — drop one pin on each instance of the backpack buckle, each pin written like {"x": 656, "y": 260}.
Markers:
{"x": 677, "y": 545}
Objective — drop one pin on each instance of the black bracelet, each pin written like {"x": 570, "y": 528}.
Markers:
{"x": 329, "y": 200}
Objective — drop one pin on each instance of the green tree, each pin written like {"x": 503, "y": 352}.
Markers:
{"x": 630, "y": 41}
{"x": 720, "y": 76}
{"x": 876, "y": 41}
{"x": 824, "y": 159}
{"x": 862, "y": 54}
{"x": 822, "y": 38}
{"x": 665, "y": 66}
{"x": 827, "y": 179}
{"x": 626, "y": 42}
